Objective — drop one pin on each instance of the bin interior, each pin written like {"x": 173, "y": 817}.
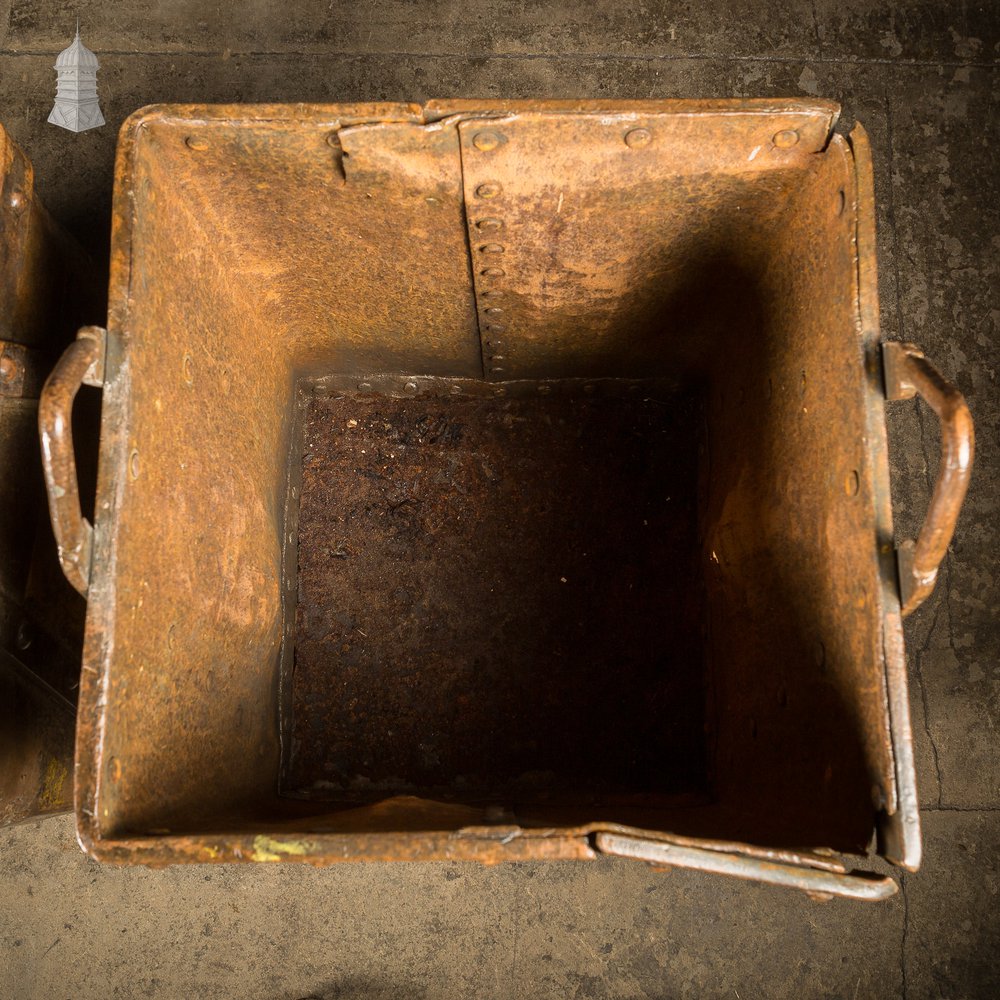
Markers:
{"x": 608, "y": 555}
{"x": 499, "y": 598}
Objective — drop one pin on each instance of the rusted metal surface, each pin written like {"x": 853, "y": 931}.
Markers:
{"x": 499, "y": 599}
{"x": 22, "y": 370}
{"x": 73, "y": 532}
{"x": 584, "y": 257}
{"x": 721, "y": 247}
{"x": 898, "y": 823}
{"x": 908, "y": 373}
{"x": 36, "y": 745}
{"x": 47, "y": 288}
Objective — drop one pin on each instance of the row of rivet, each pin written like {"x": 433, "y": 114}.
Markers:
{"x": 401, "y": 386}
{"x": 635, "y": 138}
{"x": 492, "y": 317}
{"x": 338, "y": 386}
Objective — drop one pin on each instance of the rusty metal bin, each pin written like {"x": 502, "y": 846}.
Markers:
{"x": 497, "y": 480}
{"x": 48, "y": 287}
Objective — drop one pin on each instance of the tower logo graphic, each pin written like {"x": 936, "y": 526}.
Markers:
{"x": 76, "y": 106}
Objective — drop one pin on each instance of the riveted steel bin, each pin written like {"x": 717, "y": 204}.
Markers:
{"x": 47, "y": 288}
{"x": 497, "y": 481}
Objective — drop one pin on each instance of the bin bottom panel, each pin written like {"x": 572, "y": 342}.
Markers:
{"x": 498, "y": 599}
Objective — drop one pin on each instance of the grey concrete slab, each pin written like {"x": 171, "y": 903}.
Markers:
{"x": 473, "y": 28}
{"x": 832, "y": 29}
{"x": 912, "y": 30}
{"x": 946, "y": 198}
{"x": 603, "y": 929}
{"x": 953, "y": 909}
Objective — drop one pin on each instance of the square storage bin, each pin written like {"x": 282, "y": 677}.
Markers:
{"x": 494, "y": 480}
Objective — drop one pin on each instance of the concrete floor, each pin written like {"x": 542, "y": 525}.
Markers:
{"x": 923, "y": 78}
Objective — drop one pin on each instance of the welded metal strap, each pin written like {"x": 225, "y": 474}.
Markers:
{"x": 853, "y": 885}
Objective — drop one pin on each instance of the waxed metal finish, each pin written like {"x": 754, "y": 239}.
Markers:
{"x": 261, "y": 254}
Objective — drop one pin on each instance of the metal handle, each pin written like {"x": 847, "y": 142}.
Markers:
{"x": 907, "y": 373}
{"x": 82, "y": 362}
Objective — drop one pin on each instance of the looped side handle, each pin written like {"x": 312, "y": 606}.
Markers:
{"x": 908, "y": 373}
{"x": 81, "y": 362}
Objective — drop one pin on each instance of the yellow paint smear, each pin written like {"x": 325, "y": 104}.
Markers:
{"x": 269, "y": 849}
{"x": 51, "y": 795}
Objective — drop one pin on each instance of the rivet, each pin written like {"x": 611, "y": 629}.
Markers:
{"x": 24, "y": 638}
{"x": 544, "y": 390}
{"x": 8, "y": 369}
{"x": 841, "y": 202}
{"x": 492, "y": 248}
{"x": 456, "y": 390}
{"x": 492, "y": 272}
{"x": 500, "y": 391}
{"x": 489, "y": 225}
{"x": 115, "y": 769}
{"x": 493, "y": 311}
{"x": 365, "y": 386}
{"x": 496, "y": 357}
{"x": 133, "y": 464}
{"x": 17, "y": 201}
{"x": 819, "y": 654}
{"x": 488, "y": 190}
{"x": 852, "y": 483}
{"x": 410, "y": 387}
{"x": 496, "y": 370}
{"x": 494, "y": 345}
{"x": 589, "y": 388}
{"x": 878, "y": 797}
{"x": 495, "y": 327}
{"x": 196, "y": 143}
{"x": 786, "y": 138}
{"x": 187, "y": 363}
{"x": 494, "y": 294}
{"x": 638, "y": 138}
{"x": 485, "y": 141}
{"x": 333, "y": 139}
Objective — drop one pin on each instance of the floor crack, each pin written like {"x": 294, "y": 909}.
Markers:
{"x": 815, "y": 24}
{"x": 649, "y": 57}
{"x": 959, "y": 809}
{"x": 906, "y": 933}
{"x": 924, "y": 701}
{"x": 890, "y": 196}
